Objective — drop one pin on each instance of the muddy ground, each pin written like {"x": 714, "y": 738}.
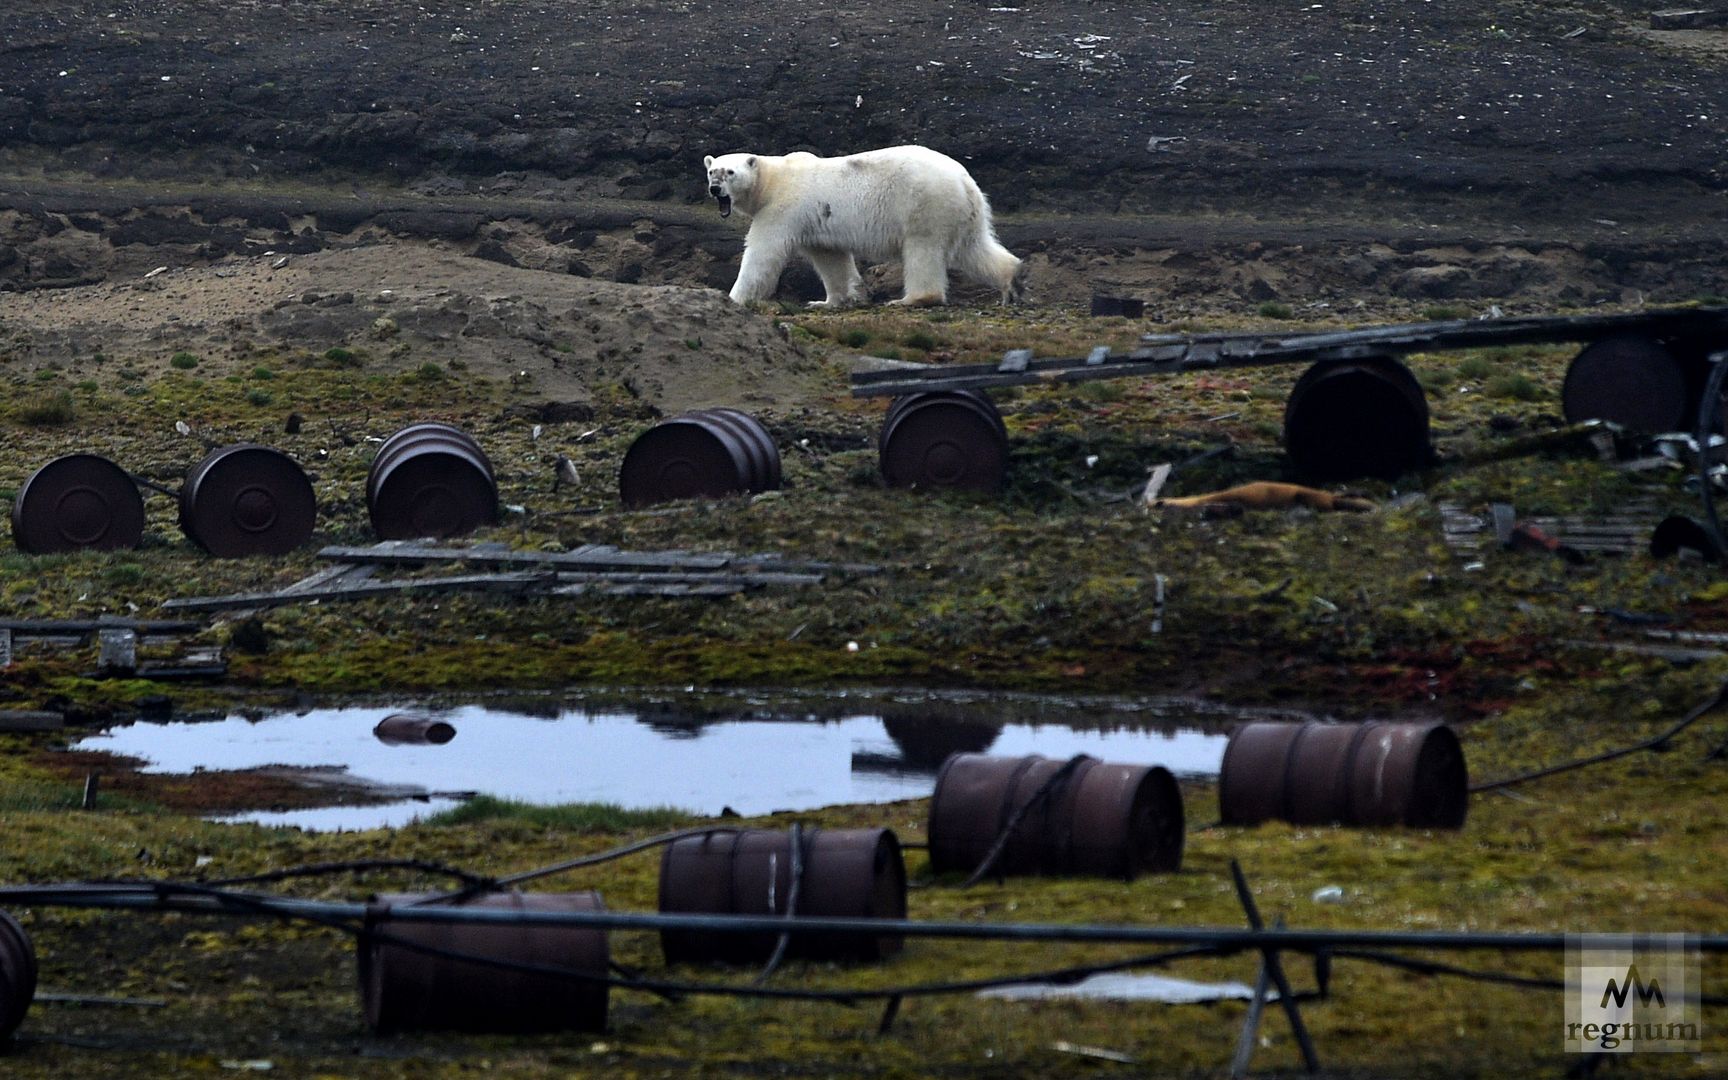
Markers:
{"x": 307, "y": 224}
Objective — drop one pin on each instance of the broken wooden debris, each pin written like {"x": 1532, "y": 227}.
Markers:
{"x": 1689, "y": 18}
{"x": 594, "y": 569}
{"x": 1468, "y": 533}
{"x": 117, "y": 650}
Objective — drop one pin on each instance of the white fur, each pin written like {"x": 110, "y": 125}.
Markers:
{"x": 906, "y": 202}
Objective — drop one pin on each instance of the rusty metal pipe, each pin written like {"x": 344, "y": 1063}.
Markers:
{"x": 152, "y": 897}
{"x": 1373, "y": 774}
{"x": 411, "y": 729}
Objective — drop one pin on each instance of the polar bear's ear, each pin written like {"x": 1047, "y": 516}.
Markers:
{"x": 751, "y": 164}
{"x": 708, "y": 161}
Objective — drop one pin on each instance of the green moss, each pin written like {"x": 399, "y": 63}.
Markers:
{"x": 183, "y": 361}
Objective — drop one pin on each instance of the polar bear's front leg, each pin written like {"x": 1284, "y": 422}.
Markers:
{"x": 840, "y": 278}
{"x": 758, "y": 273}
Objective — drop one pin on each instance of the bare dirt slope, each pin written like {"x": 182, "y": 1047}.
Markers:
{"x": 406, "y": 305}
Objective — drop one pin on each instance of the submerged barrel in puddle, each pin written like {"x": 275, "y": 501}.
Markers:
{"x": 412, "y": 729}
{"x": 846, "y": 873}
{"x": 432, "y": 480}
{"x": 949, "y": 439}
{"x": 1376, "y": 773}
{"x": 1098, "y": 819}
{"x": 247, "y": 500}
{"x": 706, "y": 454}
{"x": 402, "y": 988}
{"x": 17, "y": 974}
{"x": 1631, "y": 380}
{"x": 77, "y": 502}
{"x": 1354, "y": 418}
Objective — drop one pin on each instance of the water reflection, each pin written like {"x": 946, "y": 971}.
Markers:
{"x": 701, "y": 752}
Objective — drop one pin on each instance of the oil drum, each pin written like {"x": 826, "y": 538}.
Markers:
{"x": 77, "y": 502}
{"x": 1100, "y": 819}
{"x": 946, "y": 440}
{"x": 412, "y": 729}
{"x": 432, "y": 480}
{"x": 1631, "y": 380}
{"x": 247, "y": 500}
{"x": 402, "y": 988}
{"x": 1354, "y": 418}
{"x": 17, "y": 974}
{"x": 1370, "y": 774}
{"x": 711, "y": 453}
{"x": 846, "y": 873}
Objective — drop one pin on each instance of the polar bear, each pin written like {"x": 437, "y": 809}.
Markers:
{"x": 905, "y": 202}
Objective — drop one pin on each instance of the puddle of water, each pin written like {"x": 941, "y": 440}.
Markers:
{"x": 752, "y": 754}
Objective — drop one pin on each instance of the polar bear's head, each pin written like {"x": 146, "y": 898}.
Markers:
{"x": 731, "y": 176}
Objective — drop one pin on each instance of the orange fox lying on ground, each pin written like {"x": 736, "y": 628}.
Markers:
{"x": 1267, "y": 495}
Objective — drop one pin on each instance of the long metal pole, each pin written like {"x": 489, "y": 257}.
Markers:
{"x": 147, "y": 898}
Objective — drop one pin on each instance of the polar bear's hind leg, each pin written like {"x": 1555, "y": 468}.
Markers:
{"x": 925, "y": 269}
{"x": 989, "y": 263}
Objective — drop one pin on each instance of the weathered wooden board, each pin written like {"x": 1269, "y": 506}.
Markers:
{"x": 1688, "y": 19}
{"x": 587, "y": 557}
{"x": 505, "y": 582}
{"x": 12, "y": 720}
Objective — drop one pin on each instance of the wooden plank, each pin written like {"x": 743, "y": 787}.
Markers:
{"x": 671, "y": 588}
{"x": 414, "y": 554}
{"x": 1688, "y": 19}
{"x": 13, "y": 720}
{"x": 747, "y": 580}
{"x": 505, "y": 582}
{"x": 63, "y": 627}
{"x": 592, "y": 557}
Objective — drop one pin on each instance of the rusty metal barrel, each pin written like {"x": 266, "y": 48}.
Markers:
{"x": 412, "y": 729}
{"x": 1377, "y": 773}
{"x": 430, "y": 479}
{"x": 1354, "y": 418}
{"x": 1632, "y": 380}
{"x": 17, "y": 974}
{"x": 949, "y": 439}
{"x": 1098, "y": 819}
{"x": 846, "y": 873}
{"x": 710, "y": 453}
{"x": 77, "y": 502}
{"x": 402, "y": 988}
{"x": 247, "y": 500}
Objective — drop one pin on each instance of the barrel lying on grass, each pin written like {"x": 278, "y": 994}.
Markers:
{"x": 433, "y": 480}
{"x": 1095, "y": 818}
{"x": 77, "y": 502}
{"x": 707, "y": 454}
{"x": 405, "y": 988}
{"x": 1347, "y": 419}
{"x": 17, "y": 975}
{"x": 1370, "y": 774}
{"x": 952, "y": 439}
{"x": 247, "y": 500}
{"x": 845, "y": 873}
